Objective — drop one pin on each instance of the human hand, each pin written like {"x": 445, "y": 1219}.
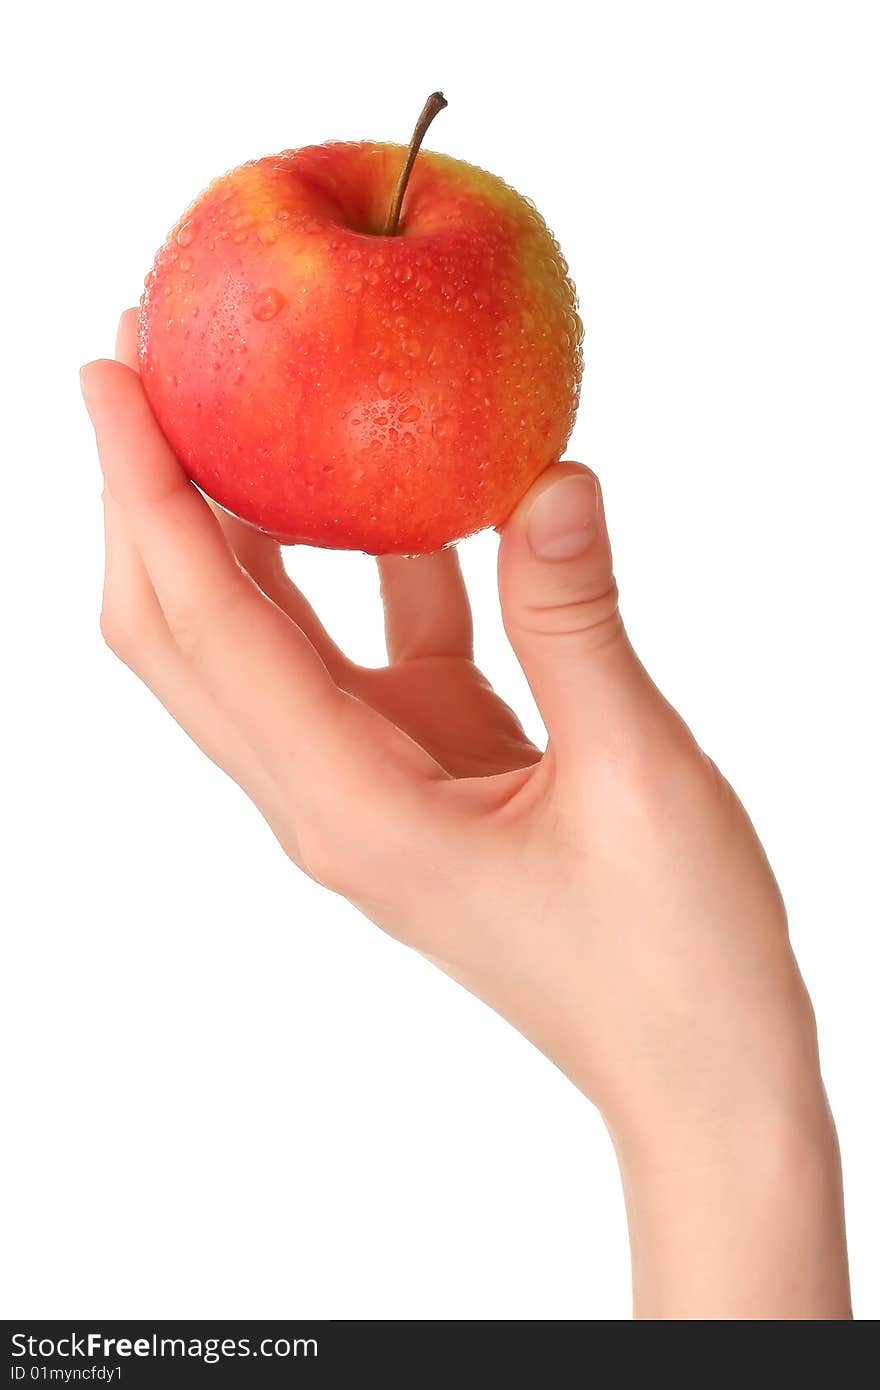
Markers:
{"x": 609, "y": 897}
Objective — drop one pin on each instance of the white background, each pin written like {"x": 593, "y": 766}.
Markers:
{"x": 227, "y": 1094}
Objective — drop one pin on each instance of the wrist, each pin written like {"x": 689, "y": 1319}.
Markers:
{"x": 702, "y": 1083}
{"x": 739, "y": 1219}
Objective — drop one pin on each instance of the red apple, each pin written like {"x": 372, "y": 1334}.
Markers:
{"x": 336, "y": 378}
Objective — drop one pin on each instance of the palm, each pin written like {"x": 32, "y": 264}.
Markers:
{"x": 448, "y": 706}
{"x": 431, "y": 688}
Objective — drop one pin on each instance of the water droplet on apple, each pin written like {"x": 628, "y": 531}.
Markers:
{"x": 267, "y": 234}
{"x": 462, "y": 303}
{"x": 407, "y": 439}
{"x": 410, "y": 415}
{"x": 445, "y": 428}
{"x": 354, "y": 285}
{"x": 186, "y": 234}
{"x": 388, "y": 383}
{"x": 267, "y": 304}
{"x": 371, "y": 277}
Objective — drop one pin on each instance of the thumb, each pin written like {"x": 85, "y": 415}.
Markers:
{"x": 559, "y": 601}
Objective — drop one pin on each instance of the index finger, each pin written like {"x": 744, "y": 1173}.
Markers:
{"x": 257, "y": 663}
{"x": 126, "y": 339}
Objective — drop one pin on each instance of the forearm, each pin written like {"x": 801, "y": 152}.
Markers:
{"x": 726, "y": 1145}
{"x": 747, "y": 1227}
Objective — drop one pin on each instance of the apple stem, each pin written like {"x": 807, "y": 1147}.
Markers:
{"x": 435, "y": 103}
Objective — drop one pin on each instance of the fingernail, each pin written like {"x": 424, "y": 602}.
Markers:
{"x": 84, "y": 374}
{"x": 563, "y": 520}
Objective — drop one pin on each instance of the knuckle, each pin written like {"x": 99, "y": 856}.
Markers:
{"x": 592, "y": 614}
{"x": 116, "y": 631}
{"x": 192, "y": 623}
{"x": 661, "y": 780}
{"x": 366, "y": 853}
{"x": 319, "y": 856}
{"x": 187, "y": 634}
